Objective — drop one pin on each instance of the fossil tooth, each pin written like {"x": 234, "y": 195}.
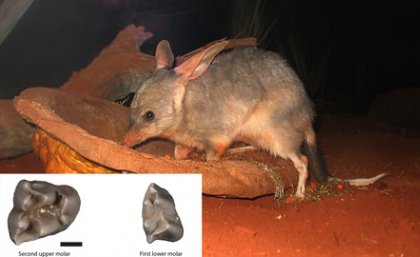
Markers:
{"x": 160, "y": 219}
{"x": 41, "y": 209}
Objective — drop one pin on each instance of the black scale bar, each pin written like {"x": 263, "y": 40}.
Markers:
{"x": 71, "y": 244}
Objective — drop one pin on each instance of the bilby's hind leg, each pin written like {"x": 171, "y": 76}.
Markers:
{"x": 285, "y": 141}
{"x": 301, "y": 164}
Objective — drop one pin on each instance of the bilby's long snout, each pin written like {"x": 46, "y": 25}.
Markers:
{"x": 132, "y": 138}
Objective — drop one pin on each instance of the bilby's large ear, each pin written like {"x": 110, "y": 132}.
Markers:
{"x": 164, "y": 56}
{"x": 199, "y": 62}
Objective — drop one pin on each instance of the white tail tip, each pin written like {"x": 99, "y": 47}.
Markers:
{"x": 365, "y": 181}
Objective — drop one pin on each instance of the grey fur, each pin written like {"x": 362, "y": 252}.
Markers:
{"x": 247, "y": 94}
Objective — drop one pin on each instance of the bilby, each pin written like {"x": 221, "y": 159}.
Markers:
{"x": 213, "y": 99}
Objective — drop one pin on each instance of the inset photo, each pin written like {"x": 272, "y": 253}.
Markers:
{"x": 100, "y": 215}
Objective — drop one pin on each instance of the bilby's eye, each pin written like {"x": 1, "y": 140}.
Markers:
{"x": 149, "y": 116}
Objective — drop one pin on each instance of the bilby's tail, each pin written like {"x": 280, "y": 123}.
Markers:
{"x": 316, "y": 164}
{"x": 360, "y": 181}
{"x": 318, "y": 169}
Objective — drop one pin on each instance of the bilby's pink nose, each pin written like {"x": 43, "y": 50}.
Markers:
{"x": 132, "y": 138}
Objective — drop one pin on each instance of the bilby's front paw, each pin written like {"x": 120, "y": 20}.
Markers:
{"x": 182, "y": 152}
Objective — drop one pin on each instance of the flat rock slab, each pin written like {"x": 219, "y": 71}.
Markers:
{"x": 91, "y": 128}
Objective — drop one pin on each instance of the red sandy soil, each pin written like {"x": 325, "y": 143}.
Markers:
{"x": 378, "y": 220}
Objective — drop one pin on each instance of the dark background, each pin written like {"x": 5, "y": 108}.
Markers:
{"x": 346, "y": 52}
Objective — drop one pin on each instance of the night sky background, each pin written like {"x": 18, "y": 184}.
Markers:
{"x": 346, "y": 52}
